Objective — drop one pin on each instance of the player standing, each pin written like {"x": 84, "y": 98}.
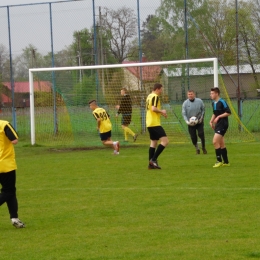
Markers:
{"x": 104, "y": 125}
{"x": 153, "y": 124}
{"x": 219, "y": 123}
{"x": 194, "y": 106}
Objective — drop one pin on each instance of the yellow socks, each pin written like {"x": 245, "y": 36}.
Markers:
{"x": 127, "y": 131}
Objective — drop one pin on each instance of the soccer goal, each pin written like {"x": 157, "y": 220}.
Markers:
{"x": 60, "y": 115}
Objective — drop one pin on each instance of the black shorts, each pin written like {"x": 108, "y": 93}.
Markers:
{"x": 156, "y": 132}
{"x": 126, "y": 119}
{"x": 221, "y": 129}
{"x": 196, "y": 128}
{"x": 105, "y": 136}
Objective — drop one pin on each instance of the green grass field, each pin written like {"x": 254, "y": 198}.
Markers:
{"x": 89, "y": 204}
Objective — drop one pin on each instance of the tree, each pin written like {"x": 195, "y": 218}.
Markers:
{"x": 63, "y": 58}
{"x": 151, "y": 38}
{"x": 4, "y": 64}
{"x": 249, "y": 22}
{"x": 82, "y": 47}
{"x": 171, "y": 18}
{"x": 221, "y": 30}
{"x": 119, "y": 28}
{"x": 30, "y": 58}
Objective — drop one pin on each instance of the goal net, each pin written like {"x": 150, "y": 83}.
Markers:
{"x": 60, "y": 114}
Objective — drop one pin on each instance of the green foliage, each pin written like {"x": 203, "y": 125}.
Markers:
{"x": 82, "y": 47}
{"x": 89, "y": 204}
{"x": 84, "y": 91}
{"x": 119, "y": 27}
{"x": 114, "y": 83}
{"x": 151, "y": 39}
{"x": 79, "y": 87}
{"x": 43, "y": 99}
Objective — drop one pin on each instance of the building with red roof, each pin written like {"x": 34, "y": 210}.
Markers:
{"x": 141, "y": 78}
{"x": 5, "y": 99}
{"x": 23, "y": 87}
{"x": 21, "y": 92}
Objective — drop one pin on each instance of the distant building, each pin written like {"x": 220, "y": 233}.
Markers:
{"x": 21, "y": 92}
{"x": 4, "y": 100}
{"x": 141, "y": 78}
{"x": 201, "y": 80}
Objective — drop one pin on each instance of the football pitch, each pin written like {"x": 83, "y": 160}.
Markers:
{"x": 88, "y": 204}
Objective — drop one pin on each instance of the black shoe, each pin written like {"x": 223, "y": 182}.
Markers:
{"x": 151, "y": 167}
{"x": 204, "y": 151}
{"x": 198, "y": 151}
{"x": 155, "y": 164}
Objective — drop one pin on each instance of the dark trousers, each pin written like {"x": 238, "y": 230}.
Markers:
{"x": 8, "y": 192}
{"x": 193, "y": 134}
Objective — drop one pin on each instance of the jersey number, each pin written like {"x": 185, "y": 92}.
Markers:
{"x": 103, "y": 116}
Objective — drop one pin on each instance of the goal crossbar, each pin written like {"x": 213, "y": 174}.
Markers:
{"x": 141, "y": 64}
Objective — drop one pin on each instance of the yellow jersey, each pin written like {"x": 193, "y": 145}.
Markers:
{"x": 153, "y": 118}
{"x": 105, "y": 123}
{"x": 7, "y": 154}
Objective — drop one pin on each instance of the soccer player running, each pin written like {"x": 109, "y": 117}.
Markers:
{"x": 104, "y": 126}
{"x": 194, "y": 106}
{"x": 153, "y": 124}
{"x": 219, "y": 123}
{"x": 125, "y": 108}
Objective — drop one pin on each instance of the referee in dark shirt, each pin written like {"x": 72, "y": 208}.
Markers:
{"x": 125, "y": 108}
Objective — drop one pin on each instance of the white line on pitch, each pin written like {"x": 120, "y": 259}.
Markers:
{"x": 148, "y": 188}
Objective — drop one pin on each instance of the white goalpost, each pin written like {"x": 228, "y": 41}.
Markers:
{"x": 109, "y": 78}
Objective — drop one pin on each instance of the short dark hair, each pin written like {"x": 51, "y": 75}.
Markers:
{"x": 157, "y": 86}
{"x": 191, "y": 90}
{"x": 124, "y": 88}
{"x": 92, "y": 101}
{"x": 216, "y": 90}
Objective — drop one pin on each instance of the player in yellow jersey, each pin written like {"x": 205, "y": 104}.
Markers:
{"x": 104, "y": 125}
{"x": 8, "y": 138}
{"x": 153, "y": 124}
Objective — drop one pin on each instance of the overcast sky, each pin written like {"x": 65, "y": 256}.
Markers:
{"x": 30, "y": 20}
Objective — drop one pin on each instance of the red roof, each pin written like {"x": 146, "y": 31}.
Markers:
{"x": 5, "y": 99}
{"x": 23, "y": 87}
{"x": 149, "y": 73}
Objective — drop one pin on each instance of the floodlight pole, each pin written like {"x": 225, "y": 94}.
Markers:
{"x": 95, "y": 48}
{"x": 11, "y": 72}
{"x": 186, "y": 43}
{"x": 55, "y": 121}
{"x": 238, "y": 73}
{"x": 143, "y": 128}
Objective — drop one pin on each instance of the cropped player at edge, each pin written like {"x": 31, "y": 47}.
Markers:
{"x": 153, "y": 124}
{"x": 104, "y": 126}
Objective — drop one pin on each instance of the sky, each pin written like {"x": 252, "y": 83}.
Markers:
{"x": 30, "y": 20}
